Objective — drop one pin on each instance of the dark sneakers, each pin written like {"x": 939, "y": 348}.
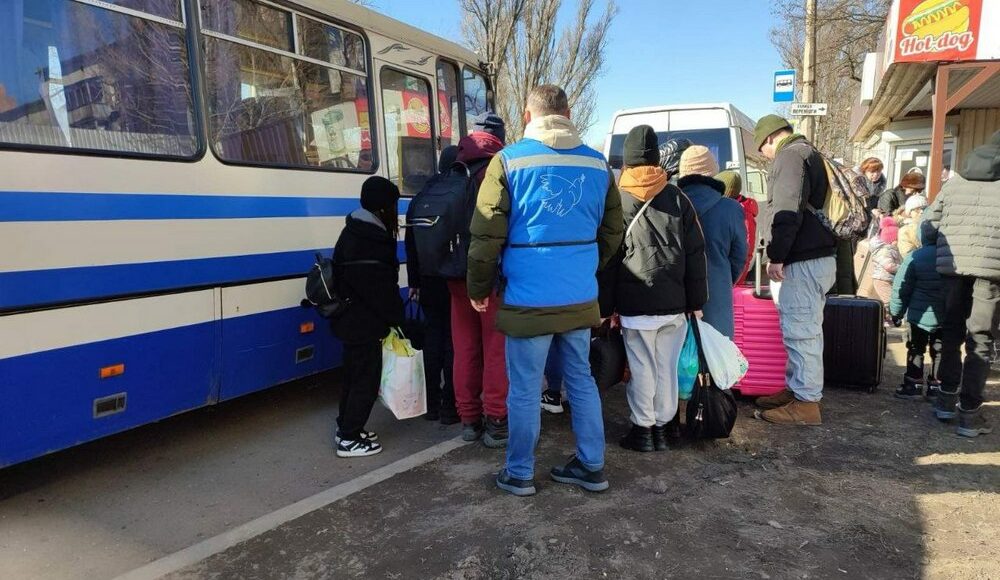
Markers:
{"x": 512, "y": 485}
{"x": 639, "y": 439}
{"x": 933, "y": 388}
{"x": 552, "y": 402}
{"x": 496, "y": 433}
{"x": 358, "y": 448}
{"x": 910, "y": 390}
{"x": 574, "y": 473}
{"x": 472, "y": 431}
{"x": 365, "y": 435}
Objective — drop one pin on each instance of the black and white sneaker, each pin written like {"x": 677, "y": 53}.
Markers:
{"x": 552, "y": 402}
{"x": 358, "y": 448}
{"x": 365, "y": 436}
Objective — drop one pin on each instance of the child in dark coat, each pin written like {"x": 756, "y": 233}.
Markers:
{"x": 367, "y": 274}
{"x": 916, "y": 292}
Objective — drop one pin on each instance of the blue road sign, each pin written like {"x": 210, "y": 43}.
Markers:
{"x": 784, "y": 86}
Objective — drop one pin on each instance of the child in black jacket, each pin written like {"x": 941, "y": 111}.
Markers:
{"x": 367, "y": 274}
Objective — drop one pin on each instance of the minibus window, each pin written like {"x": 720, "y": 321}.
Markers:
{"x": 449, "y": 125}
{"x": 718, "y": 142}
{"x": 476, "y": 96}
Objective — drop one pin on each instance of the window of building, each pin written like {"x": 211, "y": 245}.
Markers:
{"x": 408, "y": 130}
{"x": 449, "y": 123}
{"x": 77, "y": 76}
{"x": 274, "y": 107}
{"x": 477, "y": 98}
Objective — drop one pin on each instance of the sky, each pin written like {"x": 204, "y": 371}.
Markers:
{"x": 659, "y": 52}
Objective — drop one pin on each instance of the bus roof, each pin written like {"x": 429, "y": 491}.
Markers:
{"x": 379, "y": 23}
{"x": 739, "y": 118}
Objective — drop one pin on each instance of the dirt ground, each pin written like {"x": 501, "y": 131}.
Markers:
{"x": 882, "y": 490}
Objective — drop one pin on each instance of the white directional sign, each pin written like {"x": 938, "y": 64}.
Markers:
{"x": 807, "y": 109}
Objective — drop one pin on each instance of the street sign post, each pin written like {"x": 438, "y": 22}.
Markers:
{"x": 784, "y": 86}
{"x": 807, "y": 109}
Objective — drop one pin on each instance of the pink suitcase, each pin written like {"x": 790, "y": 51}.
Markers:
{"x": 758, "y": 335}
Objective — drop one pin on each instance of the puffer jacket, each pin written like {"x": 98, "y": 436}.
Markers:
{"x": 966, "y": 215}
{"x": 661, "y": 267}
{"x": 373, "y": 289}
{"x": 916, "y": 291}
{"x": 798, "y": 176}
{"x": 721, "y": 219}
{"x": 886, "y": 259}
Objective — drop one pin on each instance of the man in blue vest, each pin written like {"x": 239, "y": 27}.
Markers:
{"x": 550, "y": 216}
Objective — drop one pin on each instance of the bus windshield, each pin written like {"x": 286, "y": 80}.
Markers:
{"x": 718, "y": 142}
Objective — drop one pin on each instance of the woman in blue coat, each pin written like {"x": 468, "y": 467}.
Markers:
{"x": 725, "y": 233}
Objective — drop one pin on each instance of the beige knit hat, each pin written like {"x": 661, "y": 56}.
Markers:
{"x": 698, "y": 160}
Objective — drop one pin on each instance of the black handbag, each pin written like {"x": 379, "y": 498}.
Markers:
{"x": 607, "y": 356}
{"x": 711, "y": 411}
{"x": 415, "y": 324}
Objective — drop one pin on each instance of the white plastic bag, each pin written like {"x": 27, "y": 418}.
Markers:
{"x": 725, "y": 361}
{"x": 402, "y": 387}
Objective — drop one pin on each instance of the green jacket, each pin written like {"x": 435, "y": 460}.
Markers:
{"x": 489, "y": 236}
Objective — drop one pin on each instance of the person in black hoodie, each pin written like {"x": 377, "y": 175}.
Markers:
{"x": 659, "y": 274}
{"x": 367, "y": 276}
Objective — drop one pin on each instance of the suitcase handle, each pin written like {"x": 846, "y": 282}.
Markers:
{"x": 758, "y": 275}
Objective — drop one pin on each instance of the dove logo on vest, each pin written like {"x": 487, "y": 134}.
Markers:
{"x": 561, "y": 195}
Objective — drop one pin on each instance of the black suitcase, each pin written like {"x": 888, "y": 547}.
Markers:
{"x": 854, "y": 342}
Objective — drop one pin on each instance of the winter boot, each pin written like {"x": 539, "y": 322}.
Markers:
{"x": 910, "y": 390}
{"x": 777, "y": 400}
{"x": 946, "y": 404}
{"x": 638, "y": 439}
{"x": 972, "y": 423}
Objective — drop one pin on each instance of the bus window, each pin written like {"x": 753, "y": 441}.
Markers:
{"x": 331, "y": 44}
{"x": 406, "y": 107}
{"x": 249, "y": 20}
{"x": 449, "y": 125}
{"x": 718, "y": 142}
{"x": 269, "y": 108}
{"x": 170, "y": 9}
{"x": 76, "y": 76}
{"x": 476, "y": 96}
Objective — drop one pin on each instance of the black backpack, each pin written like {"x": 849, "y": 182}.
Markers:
{"x": 321, "y": 287}
{"x": 440, "y": 216}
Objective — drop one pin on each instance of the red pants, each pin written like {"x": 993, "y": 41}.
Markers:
{"x": 480, "y": 365}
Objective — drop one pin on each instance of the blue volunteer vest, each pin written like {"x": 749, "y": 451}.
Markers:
{"x": 557, "y": 203}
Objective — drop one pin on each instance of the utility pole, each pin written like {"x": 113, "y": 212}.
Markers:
{"x": 808, "y": 124}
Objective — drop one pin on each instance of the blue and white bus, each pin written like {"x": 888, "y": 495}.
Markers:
{"x": 169, "y": 169}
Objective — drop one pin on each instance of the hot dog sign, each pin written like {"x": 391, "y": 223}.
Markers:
{"x": 939, "y": 30}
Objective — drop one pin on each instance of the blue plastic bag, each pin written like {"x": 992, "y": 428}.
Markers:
{"x": 687, "y": 366}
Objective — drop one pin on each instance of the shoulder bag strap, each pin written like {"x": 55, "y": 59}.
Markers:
{"x": 638, "y": 214}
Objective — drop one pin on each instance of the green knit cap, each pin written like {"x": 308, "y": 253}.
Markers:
{"x": 768, "y": 125}
{"x": 734, "y": 185}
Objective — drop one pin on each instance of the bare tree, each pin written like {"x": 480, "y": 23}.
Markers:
{"x": 846, "y": 31}
{"x": 523, "y": 41}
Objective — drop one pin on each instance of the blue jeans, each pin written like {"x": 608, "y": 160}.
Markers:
{"x": 800, "y": 300}
{"x": 525, "y": 365}
{"x": 553, "y": 371}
